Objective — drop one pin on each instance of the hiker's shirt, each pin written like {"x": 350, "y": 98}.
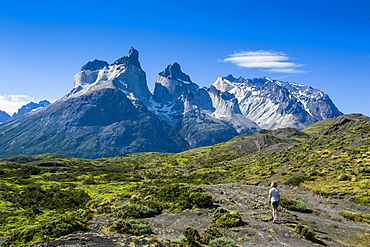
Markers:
{"x": 274, "y": 192}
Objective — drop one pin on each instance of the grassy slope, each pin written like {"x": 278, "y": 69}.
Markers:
{"x": 335, "y": 163}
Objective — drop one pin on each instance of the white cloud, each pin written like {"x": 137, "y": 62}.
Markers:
{"x": 293, "y": 71}
{"x": 11, "y": 103}
{"x": 272, "y": 61}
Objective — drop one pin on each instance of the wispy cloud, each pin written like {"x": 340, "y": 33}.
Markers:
{"x": 272, "y": 61}
{"x": 11, "y": 103}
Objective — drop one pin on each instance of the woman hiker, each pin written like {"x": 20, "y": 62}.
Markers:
{"x": 274, "y": 199}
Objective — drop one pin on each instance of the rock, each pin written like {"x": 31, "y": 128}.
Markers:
{"x": 95, "y": 65}
{"x": 132, "y": 58}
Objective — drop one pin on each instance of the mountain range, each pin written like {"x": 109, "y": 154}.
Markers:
{"x": 23, "y": 110}
{"x": 110, "y": 111}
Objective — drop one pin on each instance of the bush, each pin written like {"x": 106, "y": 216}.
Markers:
{"x": 101, "y": 206}
{"x": 225, "y": 218}
{"x": 344, "y": 177}
{"x": 191, "y": 237}
{"x": 131, "y": 226}
{"x": 57, "y": 228}
{"x": 296, "y": 180}
{"x": 200, "y": 199}
{"x": 305, "y": 231}
{"x": 22, "y": 237}
{"x": 295, "y": 205}
{"x": 61, "y": 198}
{"x": 357, "y": 217}
{"x": 222, "y": 242}
{"x": 176, "y": 196}
{"x": 219, "y": 212}
{"x": 209, "y": 234}
{"x": 53, "y": 228}
{"x": 133, "y": 211}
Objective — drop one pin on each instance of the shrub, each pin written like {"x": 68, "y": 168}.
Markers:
{"x": 131, "y": 226}
{"x": 225, "y": 218}
{"x": 344, "y": 177}
{"x": 357, "y": 217}
{"x": 295, "y": 205}
{"x": 176, "y": 196}
{"x": 219, "y": 212}
{"x": 22, "y": 237}
{"x": 61, "y": 198}
{"x": 222, "y": 242}
{"x": 191, "y": 237}
{"x": 101, "y": 206}
{"x": 133, "y": 211}
{"x": 53, "y": 228}
{"x": 305, "y": 231}
{"x": 56, "y": 228}
{"x": 209, "y": 234}
{"x": 200, "y": 199}
{"x": 296, "y": 180}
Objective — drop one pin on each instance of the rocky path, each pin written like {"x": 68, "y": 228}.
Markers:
{"x": 322, "y": 215}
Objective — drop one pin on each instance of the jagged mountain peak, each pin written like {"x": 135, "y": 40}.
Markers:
{"x": 30, "y": 107}
{"x": 275, "y": 104}
{"x": 112, "y": 106}
{"x": 132, "y": 58}
{"x": 171, "y": 84}
{"x": 174, "y": 72}
{"x": 4, "y": 116}
{"x": 95, "y": 65}
{"x": 229, "y": 77}
{"x": 125, "y": 74}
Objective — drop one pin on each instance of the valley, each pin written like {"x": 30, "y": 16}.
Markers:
{"x": 146, "y": 199}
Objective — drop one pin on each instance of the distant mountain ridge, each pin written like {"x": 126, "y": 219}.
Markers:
{"x": 23, "y": 110}
{"x": 276, "y": 104}
{"x": 4, "y": 116}
{"x": 111, "y": 111}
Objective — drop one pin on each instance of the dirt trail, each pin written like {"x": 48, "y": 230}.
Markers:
{"x": 322, "y": 215}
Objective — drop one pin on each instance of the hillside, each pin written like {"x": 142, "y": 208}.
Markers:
{"x": 219, "y": 190}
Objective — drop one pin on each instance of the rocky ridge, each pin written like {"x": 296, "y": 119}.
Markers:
{"x": 276, "y": 104}
{"x": 194, "y": 116}
{"x": 4, "y": 116}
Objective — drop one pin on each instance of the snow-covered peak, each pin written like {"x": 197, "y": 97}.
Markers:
{"x": 125, "y": 74}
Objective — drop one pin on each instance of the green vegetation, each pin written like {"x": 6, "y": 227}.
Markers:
{"x": 173, "y": 196}
{"x": 295, "y": 205}
{"x": 357, "y": 217}
{"x": 47, "y": 191}
{"x": 134, "y": 211}
{"x": 209, "y": 237}
{"x": 209, "y": 234}
{"x": 222, "y": 242}
{"x": 305, "y": 231}
{"x": 131, "y": 226}
{"x": 226, "y": 218}
{"x": 49, "y": 229}
{"x": 191, "y": 237}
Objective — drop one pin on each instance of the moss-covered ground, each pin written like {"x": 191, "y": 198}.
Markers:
{"x": 40, "y": 190}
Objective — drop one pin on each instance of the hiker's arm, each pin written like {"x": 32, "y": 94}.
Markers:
{"x": 269, "y": 199}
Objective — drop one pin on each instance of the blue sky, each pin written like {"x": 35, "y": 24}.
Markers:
{"x": 323, "y": 44}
